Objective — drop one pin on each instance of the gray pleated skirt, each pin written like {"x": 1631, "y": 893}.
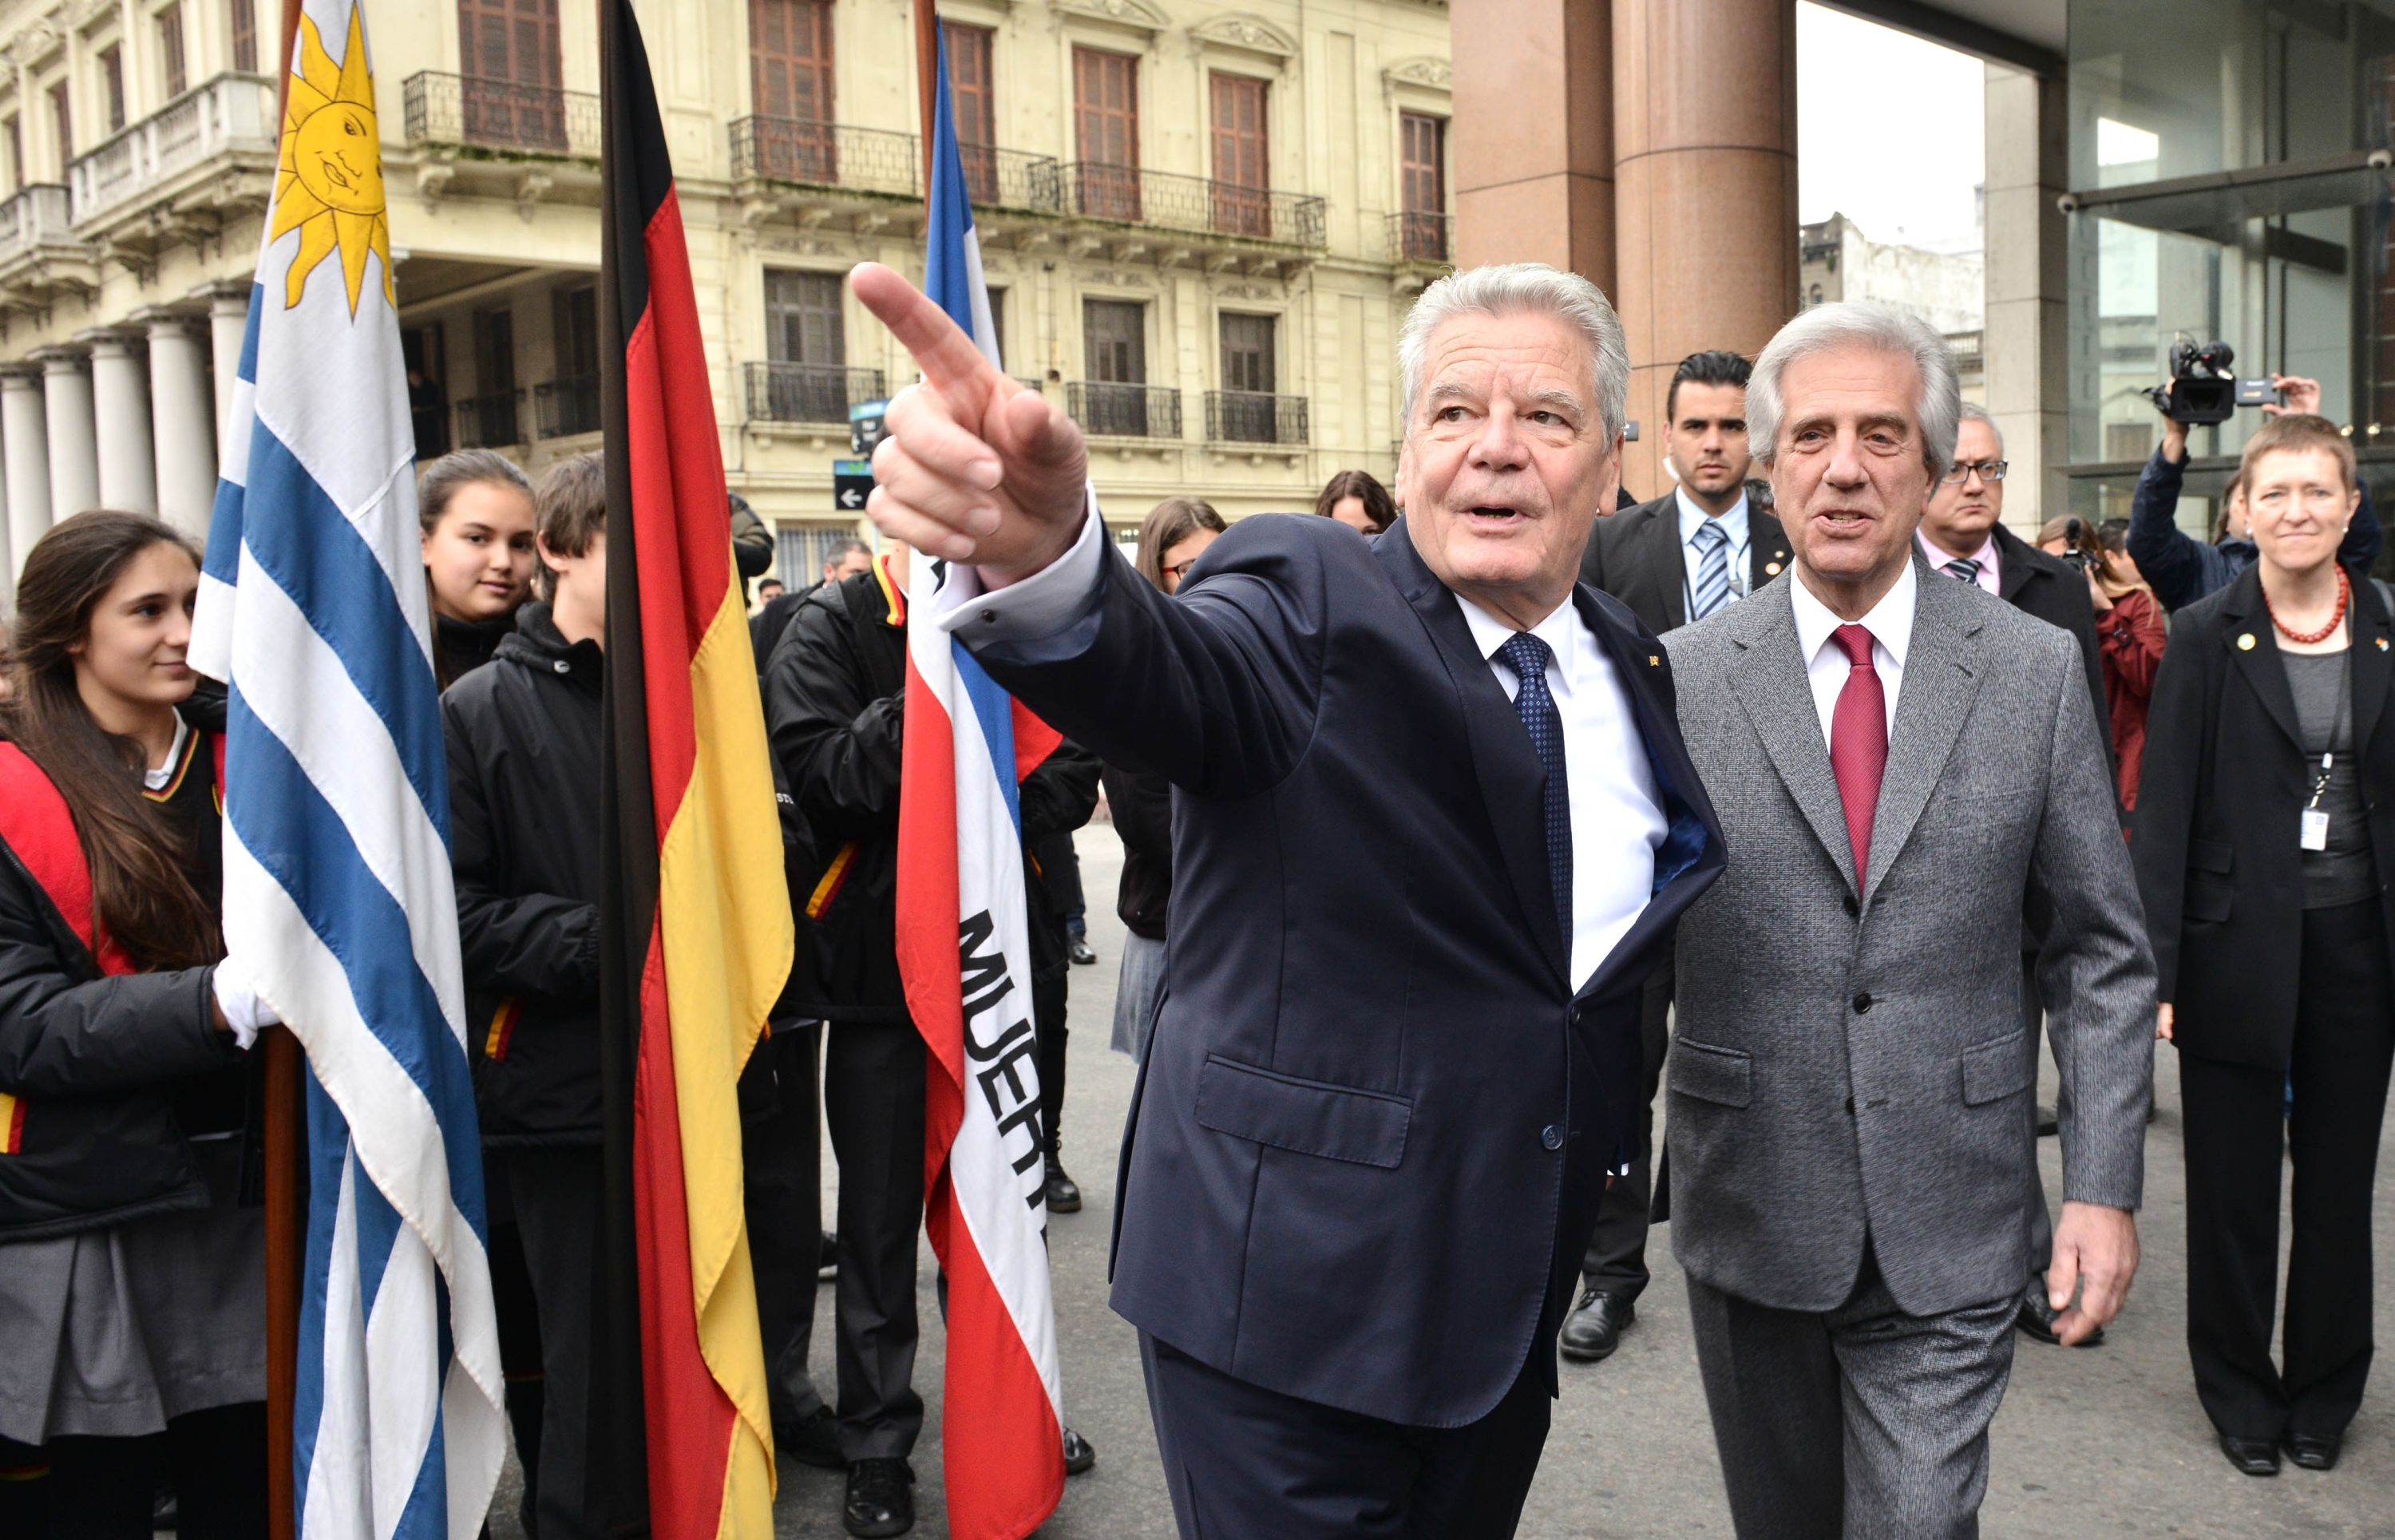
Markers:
{"x": 111, "y": 1331}
{"x": 1143, "y": 970}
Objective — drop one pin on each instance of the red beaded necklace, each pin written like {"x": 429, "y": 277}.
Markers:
{"x": 2304, "y": 639}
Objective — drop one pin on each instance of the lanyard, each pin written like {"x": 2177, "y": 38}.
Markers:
{"x": 2336, "y": 729}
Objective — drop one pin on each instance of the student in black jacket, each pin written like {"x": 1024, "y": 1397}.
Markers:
{"x": 475, "y": 510}
{"x": 2265, "y": 839}
{"x": 835, "y": 710}
{"x": 132, "y": 1274}
{"x": 523, "y": 738}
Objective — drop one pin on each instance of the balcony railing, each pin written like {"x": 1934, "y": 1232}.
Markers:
{"x": 1253, "y": 417}
{"x": 37, "y": 217}
{"x": 808, "y": 392}
{"x": 1010, "y": 179}
{"x": 1124, "y": 411}
{"x": 230, "y": 111}
{"x": 500, "y": 114}
{"x": 490, "y": 421}
{"x": 1416, "y": 238}
{"x": 1133, "y": 195}
{"x": 826, "y": 155}
{"x": 563, "y": 407}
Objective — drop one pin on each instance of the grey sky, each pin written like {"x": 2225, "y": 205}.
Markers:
{"x": 1889, "y": 130}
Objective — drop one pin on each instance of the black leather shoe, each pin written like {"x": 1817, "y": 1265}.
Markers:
{"x": 1079, "y": 1453}
{"x": 828, "y": 1259}
{"x": 2251, "y": 1456}
{"x": 813, "y": 1439}
{"x": 881, "y": 1499}
{"x": 2315, "y": 1450}
{"x": 1594, "y": 1329}
{"x": 1063, "y": 1195}
{"x": 2037, "y": 1318}
{"x": 1081, "y": 952}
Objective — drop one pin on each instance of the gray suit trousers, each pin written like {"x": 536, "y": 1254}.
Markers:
{"x": 1860, "y": 1423}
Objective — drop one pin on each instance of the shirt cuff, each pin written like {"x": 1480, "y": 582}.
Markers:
{"x": 1048, "y": 601}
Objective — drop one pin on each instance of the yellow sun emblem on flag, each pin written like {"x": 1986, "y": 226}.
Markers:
{"x": 330, "y": 185}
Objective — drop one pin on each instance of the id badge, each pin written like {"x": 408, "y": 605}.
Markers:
{"x": 2315, "y": 834}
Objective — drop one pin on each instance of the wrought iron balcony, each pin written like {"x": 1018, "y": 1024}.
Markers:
{"x": 1010, "y": 179}
{"x": 826, "y": 155}
{"x": 230, "y": 111}
{"x": 1124, "y": 411}
{"x": 37, "y": 217}
{"x": 1255, "y": 417}
{"x": 1418, "y": 237}
{"x": 1133, "y": 195}
{"x": 500, "y": 114}
{"x": 808, "y": 392}
{"x": 491, "y": 421}
{"x": 566, "y": 406}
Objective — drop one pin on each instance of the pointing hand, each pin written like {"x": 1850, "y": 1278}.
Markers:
{"x": 975, "y": 468}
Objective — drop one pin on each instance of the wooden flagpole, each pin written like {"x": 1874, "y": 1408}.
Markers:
{"x": 285, "y": 1146}
{"x": 927, "y": 76}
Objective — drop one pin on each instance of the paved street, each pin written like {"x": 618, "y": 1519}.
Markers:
{"x": 2101, "y": 1441}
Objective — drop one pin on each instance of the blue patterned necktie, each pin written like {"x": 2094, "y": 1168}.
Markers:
{"x": 1527, "y": 657}
{"x": 1963, "y": 569}
{"x": 1713, "y": 568}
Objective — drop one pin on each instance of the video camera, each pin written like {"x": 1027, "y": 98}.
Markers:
{"x": 2204, "y": 387}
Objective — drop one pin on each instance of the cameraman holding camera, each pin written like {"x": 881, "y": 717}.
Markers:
{"x": 2181, "y": 569}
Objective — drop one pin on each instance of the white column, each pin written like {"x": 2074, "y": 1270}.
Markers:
{"x": 228, "y": 325}
{"x": 120, "y": 400}
{"x": 74, "y": 455}
{"x": 182, "y": 420}
{"x": 25, "y": 445}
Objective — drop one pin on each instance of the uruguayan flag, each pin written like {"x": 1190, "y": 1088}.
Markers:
{"x": 952, "y": 274}
{"x": 337, "y": 888}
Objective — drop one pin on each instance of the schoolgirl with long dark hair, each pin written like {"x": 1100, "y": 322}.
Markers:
{"x": 132, "y": 1275}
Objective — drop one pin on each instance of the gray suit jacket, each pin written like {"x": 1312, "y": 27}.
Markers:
{"x": 1850, "y": 1060}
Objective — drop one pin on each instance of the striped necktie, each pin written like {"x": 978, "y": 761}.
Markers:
{"x": 1712, "y": 569}
{"x": 1965, "y": 568}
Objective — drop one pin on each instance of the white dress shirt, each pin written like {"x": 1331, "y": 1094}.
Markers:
{"x": 1692, "y": 558}
{"x": 1617, "y": 818}
{"x": 1826, "y": 666}
{"x": 1988, "y": 577}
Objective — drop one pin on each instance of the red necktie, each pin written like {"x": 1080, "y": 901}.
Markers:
{"x": 1858, "y": 742}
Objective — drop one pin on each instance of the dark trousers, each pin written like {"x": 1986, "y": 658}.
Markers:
{"x": 2343, "y": 1045}
{"x": 555, "y": 1197}
{"x": 873, "y": 1099}
{"x": 519, "y": 1324}
{"x": 1047, "y": 1002}
{"x": 782, "y": 1167}
{"x": 101, "y": 1489}
{"x": 1244, "y": 1462}
{"x": 1616, "y": 1261}
{"x": 2041, "y": 1216}
{"x": 1852, "y": 1422}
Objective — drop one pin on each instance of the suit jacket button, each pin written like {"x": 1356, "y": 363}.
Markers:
{"x": 1552, "y": 1136}
{"x": 1850, "y": 1107}
{"x": 1862, "y": 1004}
{"x": 1852, "y": 908}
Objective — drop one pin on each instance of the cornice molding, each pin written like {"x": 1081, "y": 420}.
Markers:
{"x": 1251, "y": 32}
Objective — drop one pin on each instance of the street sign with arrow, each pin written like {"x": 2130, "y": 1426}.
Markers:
{"x": 852, "y": 483}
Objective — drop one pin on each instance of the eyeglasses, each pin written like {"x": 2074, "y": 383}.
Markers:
{"x": 1179, "y": 570}
{"x": 1989, "y": 470}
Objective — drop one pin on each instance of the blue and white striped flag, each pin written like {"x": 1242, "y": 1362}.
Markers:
{"x": 952, "y": 274}
{"x": 337, "y": 898}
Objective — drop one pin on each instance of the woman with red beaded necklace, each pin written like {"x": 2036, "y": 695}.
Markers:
{"x": 2265, "y": 838}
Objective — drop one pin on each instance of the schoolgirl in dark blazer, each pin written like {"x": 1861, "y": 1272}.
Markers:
{"x": 2265, "y": 837}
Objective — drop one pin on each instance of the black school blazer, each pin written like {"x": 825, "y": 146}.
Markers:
{"x": 2218, "y": 809}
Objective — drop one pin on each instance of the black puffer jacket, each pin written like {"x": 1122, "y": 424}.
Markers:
{"x": 101, "y": 1073}
{"x": 835, "y": 709}
{"x": 461, "y": 647}
{"x": 523, "y": 832}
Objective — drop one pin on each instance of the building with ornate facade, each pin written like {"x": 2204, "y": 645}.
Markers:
{"x": 1200, "y": 228}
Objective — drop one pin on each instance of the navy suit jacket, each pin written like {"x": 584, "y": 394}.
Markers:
{"x": 1370, "y": 1136}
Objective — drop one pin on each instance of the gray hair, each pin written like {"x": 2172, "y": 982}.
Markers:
{"x": 1973, "y": 412}
{"x": 1860, "y": 324}
{"x": 1514, "y": 288}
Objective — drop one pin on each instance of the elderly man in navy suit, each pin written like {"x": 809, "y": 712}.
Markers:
{"x": 1433, "y": 826}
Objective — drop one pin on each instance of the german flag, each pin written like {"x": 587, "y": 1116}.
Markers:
{"x": 697, "y": 914}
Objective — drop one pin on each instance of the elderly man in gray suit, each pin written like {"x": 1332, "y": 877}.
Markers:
{"x": 1898, "y": 761}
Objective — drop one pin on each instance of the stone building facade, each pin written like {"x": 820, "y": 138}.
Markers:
{"x": 1201, "y": 228}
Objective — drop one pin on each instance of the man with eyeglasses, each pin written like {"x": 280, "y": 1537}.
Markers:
{"x": 1963, "y": 535}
